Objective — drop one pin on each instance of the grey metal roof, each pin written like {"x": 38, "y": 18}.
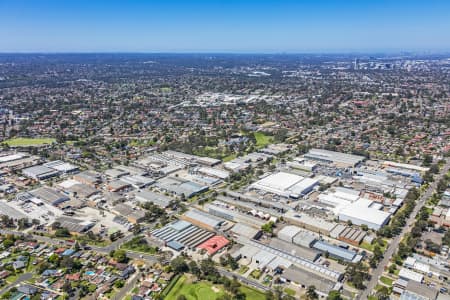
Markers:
{"x": 204, "y": 218}
{"x": 156, "y": 198}
{"x": 335, "y": 250}
{"x": 10, "y": 211}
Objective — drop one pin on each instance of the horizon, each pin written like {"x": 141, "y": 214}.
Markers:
{"x": 241, "y": 27}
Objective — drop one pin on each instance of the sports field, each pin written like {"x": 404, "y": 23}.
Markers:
{"x": 263, "y": 140}
{"x": 26, "y": 142}
{"x": 205, "y": 290}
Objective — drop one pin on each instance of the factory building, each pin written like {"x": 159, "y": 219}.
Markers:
{"x": 214, "y": 244}
{"x": 75, "y": 226}
{"x": 236, "y": 216}
{"x": 315, "y": 224}
{"x": 408, "y": 275}
{"x": 246, "y": 231}
{"x": 132, "y": 214}
{"x": 271, "y": 252}
{"x": 88, "y": 177}
{"x": 352, "y": 236}
{"x": 49, "y": 195}
{"x": 11, "y": 212}
{"x": 207, "y": 161}
{"x": 137, "y": 181}
{"x": 362, "y": 212}
{"x": 77, "y": 189}
{"x": 181, "y": 234}
{"x": 40, "y": 172}
{"x": 179, "y": 187}
{"x": 203, "y": 219}
{"x": 62, "y": 167}
{"x": 403, "y": 166}
{"x": 149, "y": 196}
{"x": 286, "y": 185}
{"x": 296, "y": 235}
{"x": 337, "y": 252}
{"x": 336, "y": 158}
{"x": 349, "y": 206}
{"x": 117, "y": 185}
{"x": 306, "y": 279}
{"x": 213, "y": 172}
{"x": 307, "y": 253}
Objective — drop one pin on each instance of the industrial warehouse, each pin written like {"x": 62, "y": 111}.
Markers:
{"x": 303, "y": 221}
{"x": 286, "y": 185}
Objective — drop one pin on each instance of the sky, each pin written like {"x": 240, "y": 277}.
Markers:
{"x": 246, "y": 26}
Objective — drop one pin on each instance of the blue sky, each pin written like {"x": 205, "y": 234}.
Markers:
{"x": 224, "y": 26}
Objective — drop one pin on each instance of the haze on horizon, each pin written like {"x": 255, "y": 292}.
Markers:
{"x": 224, "y": 26}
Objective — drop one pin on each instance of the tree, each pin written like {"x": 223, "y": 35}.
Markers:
{"x": 66, "y": 262}
{"x": 23, "y": 223}
{"x": 181, "y": 297}
{"x": 356, "y": 274}
{"x": 119, "y": 284}
{"x": 179, "y": 265}
{"x": 334, "y": 295}
{"x": 56, "y": 225}
{"x": 377, "y": 253}
{"x": 311, "y": 293}
{"x": 270, "y": 295}
{"x": 62, "y": 232}
{"x": 120, "y": 256}
{"x": 67, "y": 287}
{"x": 194, "y": 269}
{"x": 136, "y": 229}
{"x": 8, "y": 243}
{"x": 427, "y": 160}
{"x": 383, "y": 293}
{"x": 54, "y": 258}
{"x": 268, "y": 227}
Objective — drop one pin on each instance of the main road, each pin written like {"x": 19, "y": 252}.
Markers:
{"x": 393, "y": 246}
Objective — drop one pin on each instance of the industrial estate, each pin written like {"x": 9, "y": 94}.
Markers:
{"x": 224, "y": 177}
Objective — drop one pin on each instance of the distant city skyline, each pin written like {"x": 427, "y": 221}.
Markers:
{"x": 225, "y": 26}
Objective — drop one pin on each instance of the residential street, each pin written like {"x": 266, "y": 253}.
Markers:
{"x": 390, "y": 251}
{"x": 21, "y": 278}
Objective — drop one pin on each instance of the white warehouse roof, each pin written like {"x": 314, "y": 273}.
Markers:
{"x": 285, "y": 184}
{"x": 410, "y": 275}
{"x": 360, "y": 212}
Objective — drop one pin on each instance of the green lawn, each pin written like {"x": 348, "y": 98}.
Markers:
{"x": 193, "y": 291}
{"x": 206, "y": 290}
{"x": 25, "y": 142}
{"x": 290, "y": 292}
{"x": 252, "y": 294}
{"x": 229, "y": 157}
{"x": 256, "y": 274}
{"x": 386, "y": 281}
{"x": 243, "y": 270}
{"x": 263, "y": 140}
{"x": 367, "y": 246}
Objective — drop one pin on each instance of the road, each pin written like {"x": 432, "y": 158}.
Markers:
{"x": 390, "y": 251}
{"x": 129, "y": 285}
{"x": 20, "y": 279}
{"x": 247, "y": 281}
